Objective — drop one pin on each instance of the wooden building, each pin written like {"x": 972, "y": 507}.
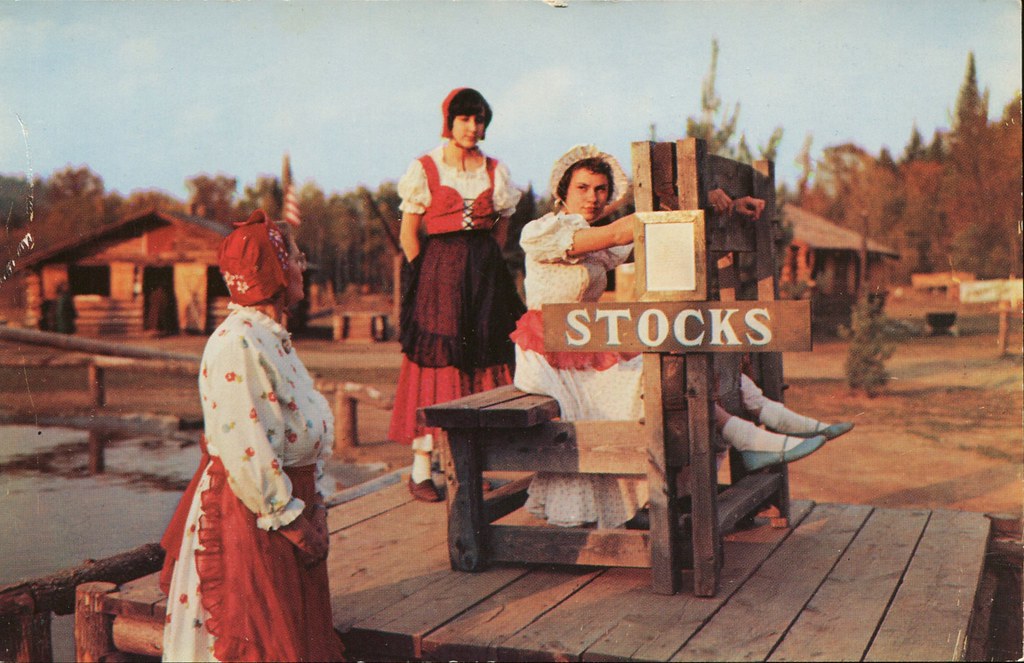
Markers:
{"x": 824, "y": 262}
{"x": 152, "y": 273}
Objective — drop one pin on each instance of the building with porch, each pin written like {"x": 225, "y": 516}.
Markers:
{"x": 151, "y": 273}
{"x": 830, "y": 264}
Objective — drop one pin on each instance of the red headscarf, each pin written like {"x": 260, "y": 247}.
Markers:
{"x": 254, "y": 260}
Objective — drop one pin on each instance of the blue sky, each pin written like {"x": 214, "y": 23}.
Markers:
{"x": 150, "y": 93}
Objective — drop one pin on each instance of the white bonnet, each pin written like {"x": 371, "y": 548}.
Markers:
{"x": 620, "y": 183}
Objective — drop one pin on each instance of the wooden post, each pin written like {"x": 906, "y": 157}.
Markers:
{"x": 97, "y": 388}
{"x": 1004, "y": 326}
{"x": 666, "y": 576}
{"x": 94, "y": 638}
{"x": 96, "y": 459}
{"x": 462, "y": 467}
{"x": 396, "y": 293}
{"x": 707, "y": 555}
{"x": 770, "y": 368}
{"x": 26, "y": 637}
{"x": 346, "y": 422}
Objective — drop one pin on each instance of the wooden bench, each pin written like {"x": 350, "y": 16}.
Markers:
{"x": 508, "y": 430}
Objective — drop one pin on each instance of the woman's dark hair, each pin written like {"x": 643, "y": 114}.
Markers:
{"x": 594, "y": 165}
{"x": 468, "y": 102}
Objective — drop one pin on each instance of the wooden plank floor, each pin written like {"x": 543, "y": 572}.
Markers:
{"x": 845, "y": 583}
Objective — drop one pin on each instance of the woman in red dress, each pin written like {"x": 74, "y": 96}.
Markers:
{"x": 245, "y": 570}
{"x": 459, "y": 303}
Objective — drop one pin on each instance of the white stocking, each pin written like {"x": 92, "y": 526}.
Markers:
{"x": 773, "y": 414}
{"x": 745, "y": 436}
{"x": 421, "y": 449}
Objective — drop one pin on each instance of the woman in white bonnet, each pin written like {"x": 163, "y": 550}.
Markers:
{"x": 567, "y": 260}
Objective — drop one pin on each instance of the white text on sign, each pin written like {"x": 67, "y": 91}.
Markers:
{"x": 739, "y": 326}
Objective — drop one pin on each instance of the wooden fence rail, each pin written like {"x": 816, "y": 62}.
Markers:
{"x": 347, "y": 396}
{"x": 26, "y": 607}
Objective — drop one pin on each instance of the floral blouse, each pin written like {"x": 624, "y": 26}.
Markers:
{"x": 415, "y": 192}
{"x": 262, "y": 413}
{"x": 553, "y": 276}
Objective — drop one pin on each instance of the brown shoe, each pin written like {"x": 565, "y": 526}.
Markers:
{"x": 424, "y": 491}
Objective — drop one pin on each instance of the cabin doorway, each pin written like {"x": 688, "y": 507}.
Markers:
{"x": 161, "y": 317}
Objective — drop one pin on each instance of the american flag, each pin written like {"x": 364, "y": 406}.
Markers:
{"x": 290, "y": 206}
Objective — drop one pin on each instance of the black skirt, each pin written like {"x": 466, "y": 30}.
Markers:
{"x": 459, "y": 303}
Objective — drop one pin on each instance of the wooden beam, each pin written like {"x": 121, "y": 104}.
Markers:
{"x": 26, "y": 637}
{"x": 523, "y": 412}
{"x": 593, "y": 447}
{"x": 94, "y": 639}
{"x": 661, "y": 478}
{"x": 548, "y": 544}
{"x": 707, "y": 554}
{"x": 466, "y": 526}
{"x": 56, "y": 592}
{"x": 92, "y": 346}
{"x": 742, "y": 498}
{"x": 465, "y": 412}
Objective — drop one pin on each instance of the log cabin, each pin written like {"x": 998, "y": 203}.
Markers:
{"x": 153, "y": 273}
{"x": 824, "y": 263}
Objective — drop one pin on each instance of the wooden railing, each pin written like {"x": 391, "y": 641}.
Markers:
{"x": 26, "y": 608}
{"x": 347, "y": 396}
{"x": 102, "y": 356}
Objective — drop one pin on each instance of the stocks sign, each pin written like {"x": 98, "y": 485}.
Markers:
{"x": 738, "y": 326}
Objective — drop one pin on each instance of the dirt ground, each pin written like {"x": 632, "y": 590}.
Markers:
{"x": 946, "y": 433}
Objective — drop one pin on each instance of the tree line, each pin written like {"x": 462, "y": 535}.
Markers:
{"x": 951, "y": 203}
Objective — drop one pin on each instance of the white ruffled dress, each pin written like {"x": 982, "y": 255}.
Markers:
{"x": 552, "y": 276}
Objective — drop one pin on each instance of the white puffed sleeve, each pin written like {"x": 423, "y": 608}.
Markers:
{"x": 506, "y": 196}
{"x": 246, "y": 427}
{"x": 414, "y": 190}
{"x": 549, "y": 238}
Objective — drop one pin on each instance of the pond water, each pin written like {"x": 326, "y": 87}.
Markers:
{"x": 54, "y": 514}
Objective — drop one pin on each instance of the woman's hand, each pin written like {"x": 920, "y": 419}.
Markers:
{"x": 748, "y": 207}
{"x": 720, "y": 201}
{"x": 409, "y": 235}
{"x": 309, "y": 536}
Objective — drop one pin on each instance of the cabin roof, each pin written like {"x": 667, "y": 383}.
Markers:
{"x": 153, "y": 217}
{"x": 818, "y": 232}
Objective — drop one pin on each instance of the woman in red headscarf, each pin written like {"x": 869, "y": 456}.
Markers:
{"x": 459, "y": 303}
{"x": 245, "y": 571}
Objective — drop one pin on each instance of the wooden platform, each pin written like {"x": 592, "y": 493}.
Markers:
{"x": 843, "y": 583}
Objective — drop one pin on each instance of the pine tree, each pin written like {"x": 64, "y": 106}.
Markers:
{"x": 717, "y": 127}
{"x": 869, "y": 346}
{"x": 915, "y": 147}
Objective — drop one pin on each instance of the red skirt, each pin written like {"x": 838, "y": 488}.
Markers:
{"x": 419, "y": 386}
{"x": 263, "y": 603}
{"x": 529, "y": 335}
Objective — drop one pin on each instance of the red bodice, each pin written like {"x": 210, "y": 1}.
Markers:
{"x": 449, "y": 212}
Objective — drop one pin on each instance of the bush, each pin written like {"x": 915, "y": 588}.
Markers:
{"x": 870, "y": 345}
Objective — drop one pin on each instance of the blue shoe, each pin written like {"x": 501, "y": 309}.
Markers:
{"x": 756, "y": 460}
{"x": 830, "y": 432}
